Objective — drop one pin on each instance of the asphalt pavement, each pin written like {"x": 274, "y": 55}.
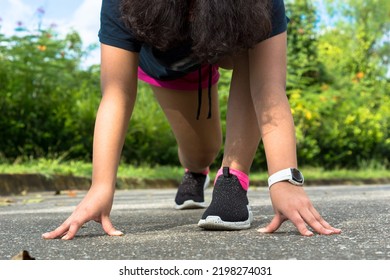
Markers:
{"x": 155, "y": 231}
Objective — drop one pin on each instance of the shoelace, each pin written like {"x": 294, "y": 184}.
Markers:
{"x": 200, "y": 91}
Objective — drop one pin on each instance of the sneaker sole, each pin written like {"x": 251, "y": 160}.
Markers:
{"x": 190, "y": 204}
{"x": 216, "y": 223}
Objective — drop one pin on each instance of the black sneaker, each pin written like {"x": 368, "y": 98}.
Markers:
{"x": 190, "y": 194}
{"x": 229, "y": 208}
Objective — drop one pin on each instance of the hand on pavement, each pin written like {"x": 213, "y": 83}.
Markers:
{"x": 290, "y": 202}
{"x": 96, "y": 206}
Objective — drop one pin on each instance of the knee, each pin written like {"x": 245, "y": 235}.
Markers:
{"x": 208, "y": 155}
{"x": 199, "y": 158}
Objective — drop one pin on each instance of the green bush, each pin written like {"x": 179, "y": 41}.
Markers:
{"x": 47, "y": 102}
{"x": 340, "y": 129}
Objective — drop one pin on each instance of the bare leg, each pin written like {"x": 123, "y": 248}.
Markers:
{"x": 242, "y": 130}
{"x": 229, "y": 208}
{"x": 199, "y": 141}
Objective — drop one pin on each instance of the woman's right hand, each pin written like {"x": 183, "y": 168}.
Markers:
{"x": 95, "y": 206}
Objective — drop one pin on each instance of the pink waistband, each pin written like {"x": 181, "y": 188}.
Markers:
{"x": 188, "y": 82}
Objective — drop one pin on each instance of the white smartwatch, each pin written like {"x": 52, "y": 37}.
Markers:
{"x": 292, "y": 175}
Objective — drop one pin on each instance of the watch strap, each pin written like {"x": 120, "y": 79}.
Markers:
{"x": 282, "y": 175}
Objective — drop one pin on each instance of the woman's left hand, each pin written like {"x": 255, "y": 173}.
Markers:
{"x": 290, "y": 202}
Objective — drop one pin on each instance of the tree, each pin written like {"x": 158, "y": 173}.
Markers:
{"x": 358, "y": 44}
{"x": 42, "y": 92}
{"x": 342, "y": 115}
{"x": 304, "y": 66}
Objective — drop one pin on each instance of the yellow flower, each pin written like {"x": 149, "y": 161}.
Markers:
{"x": 42, "y": 48}
{"x": 360, "y": 75}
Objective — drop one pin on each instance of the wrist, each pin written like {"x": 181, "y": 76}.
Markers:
{"x": 290, "y": 175}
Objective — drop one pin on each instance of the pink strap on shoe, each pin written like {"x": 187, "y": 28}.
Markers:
{"x": 242, "y": 177}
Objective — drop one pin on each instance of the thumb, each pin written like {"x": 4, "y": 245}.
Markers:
{"x": 109, "y": 228}
{"x": 273, "y": 226}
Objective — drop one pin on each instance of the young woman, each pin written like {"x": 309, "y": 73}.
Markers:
{"x": 176, "y": 46}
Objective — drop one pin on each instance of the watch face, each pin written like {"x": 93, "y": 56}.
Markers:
{"x": 296, "y": 175}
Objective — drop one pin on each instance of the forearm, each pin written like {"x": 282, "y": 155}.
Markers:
{"x": 110, "y": 129}
{"x": 119, "y": 87}
{"x": 277, "y": 128}
{"x": 268, "y": 81}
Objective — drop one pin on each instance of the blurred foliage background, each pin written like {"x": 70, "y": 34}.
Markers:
{"x": 338, "y": 87}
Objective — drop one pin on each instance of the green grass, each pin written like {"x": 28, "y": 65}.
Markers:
{"x": 49, "y": 167}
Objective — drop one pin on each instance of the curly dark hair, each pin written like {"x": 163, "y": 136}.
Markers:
{"x": 216, "y": 28}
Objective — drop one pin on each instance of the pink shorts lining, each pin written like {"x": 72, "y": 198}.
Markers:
{"x": 188, "y": 82}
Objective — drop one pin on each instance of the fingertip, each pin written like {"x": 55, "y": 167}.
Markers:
{"x": 117, "y": 233}
{"x": 46, "y": 235}
{"x": 109, "y": 228}
{"x": 66, "y": 237}
{"x": 331, "y": 231}
{"x": 262, "y": 230}
{"x": 336, "y": 230}
{"x": 49, "y": 235}
{"x": 328, "y": 232}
